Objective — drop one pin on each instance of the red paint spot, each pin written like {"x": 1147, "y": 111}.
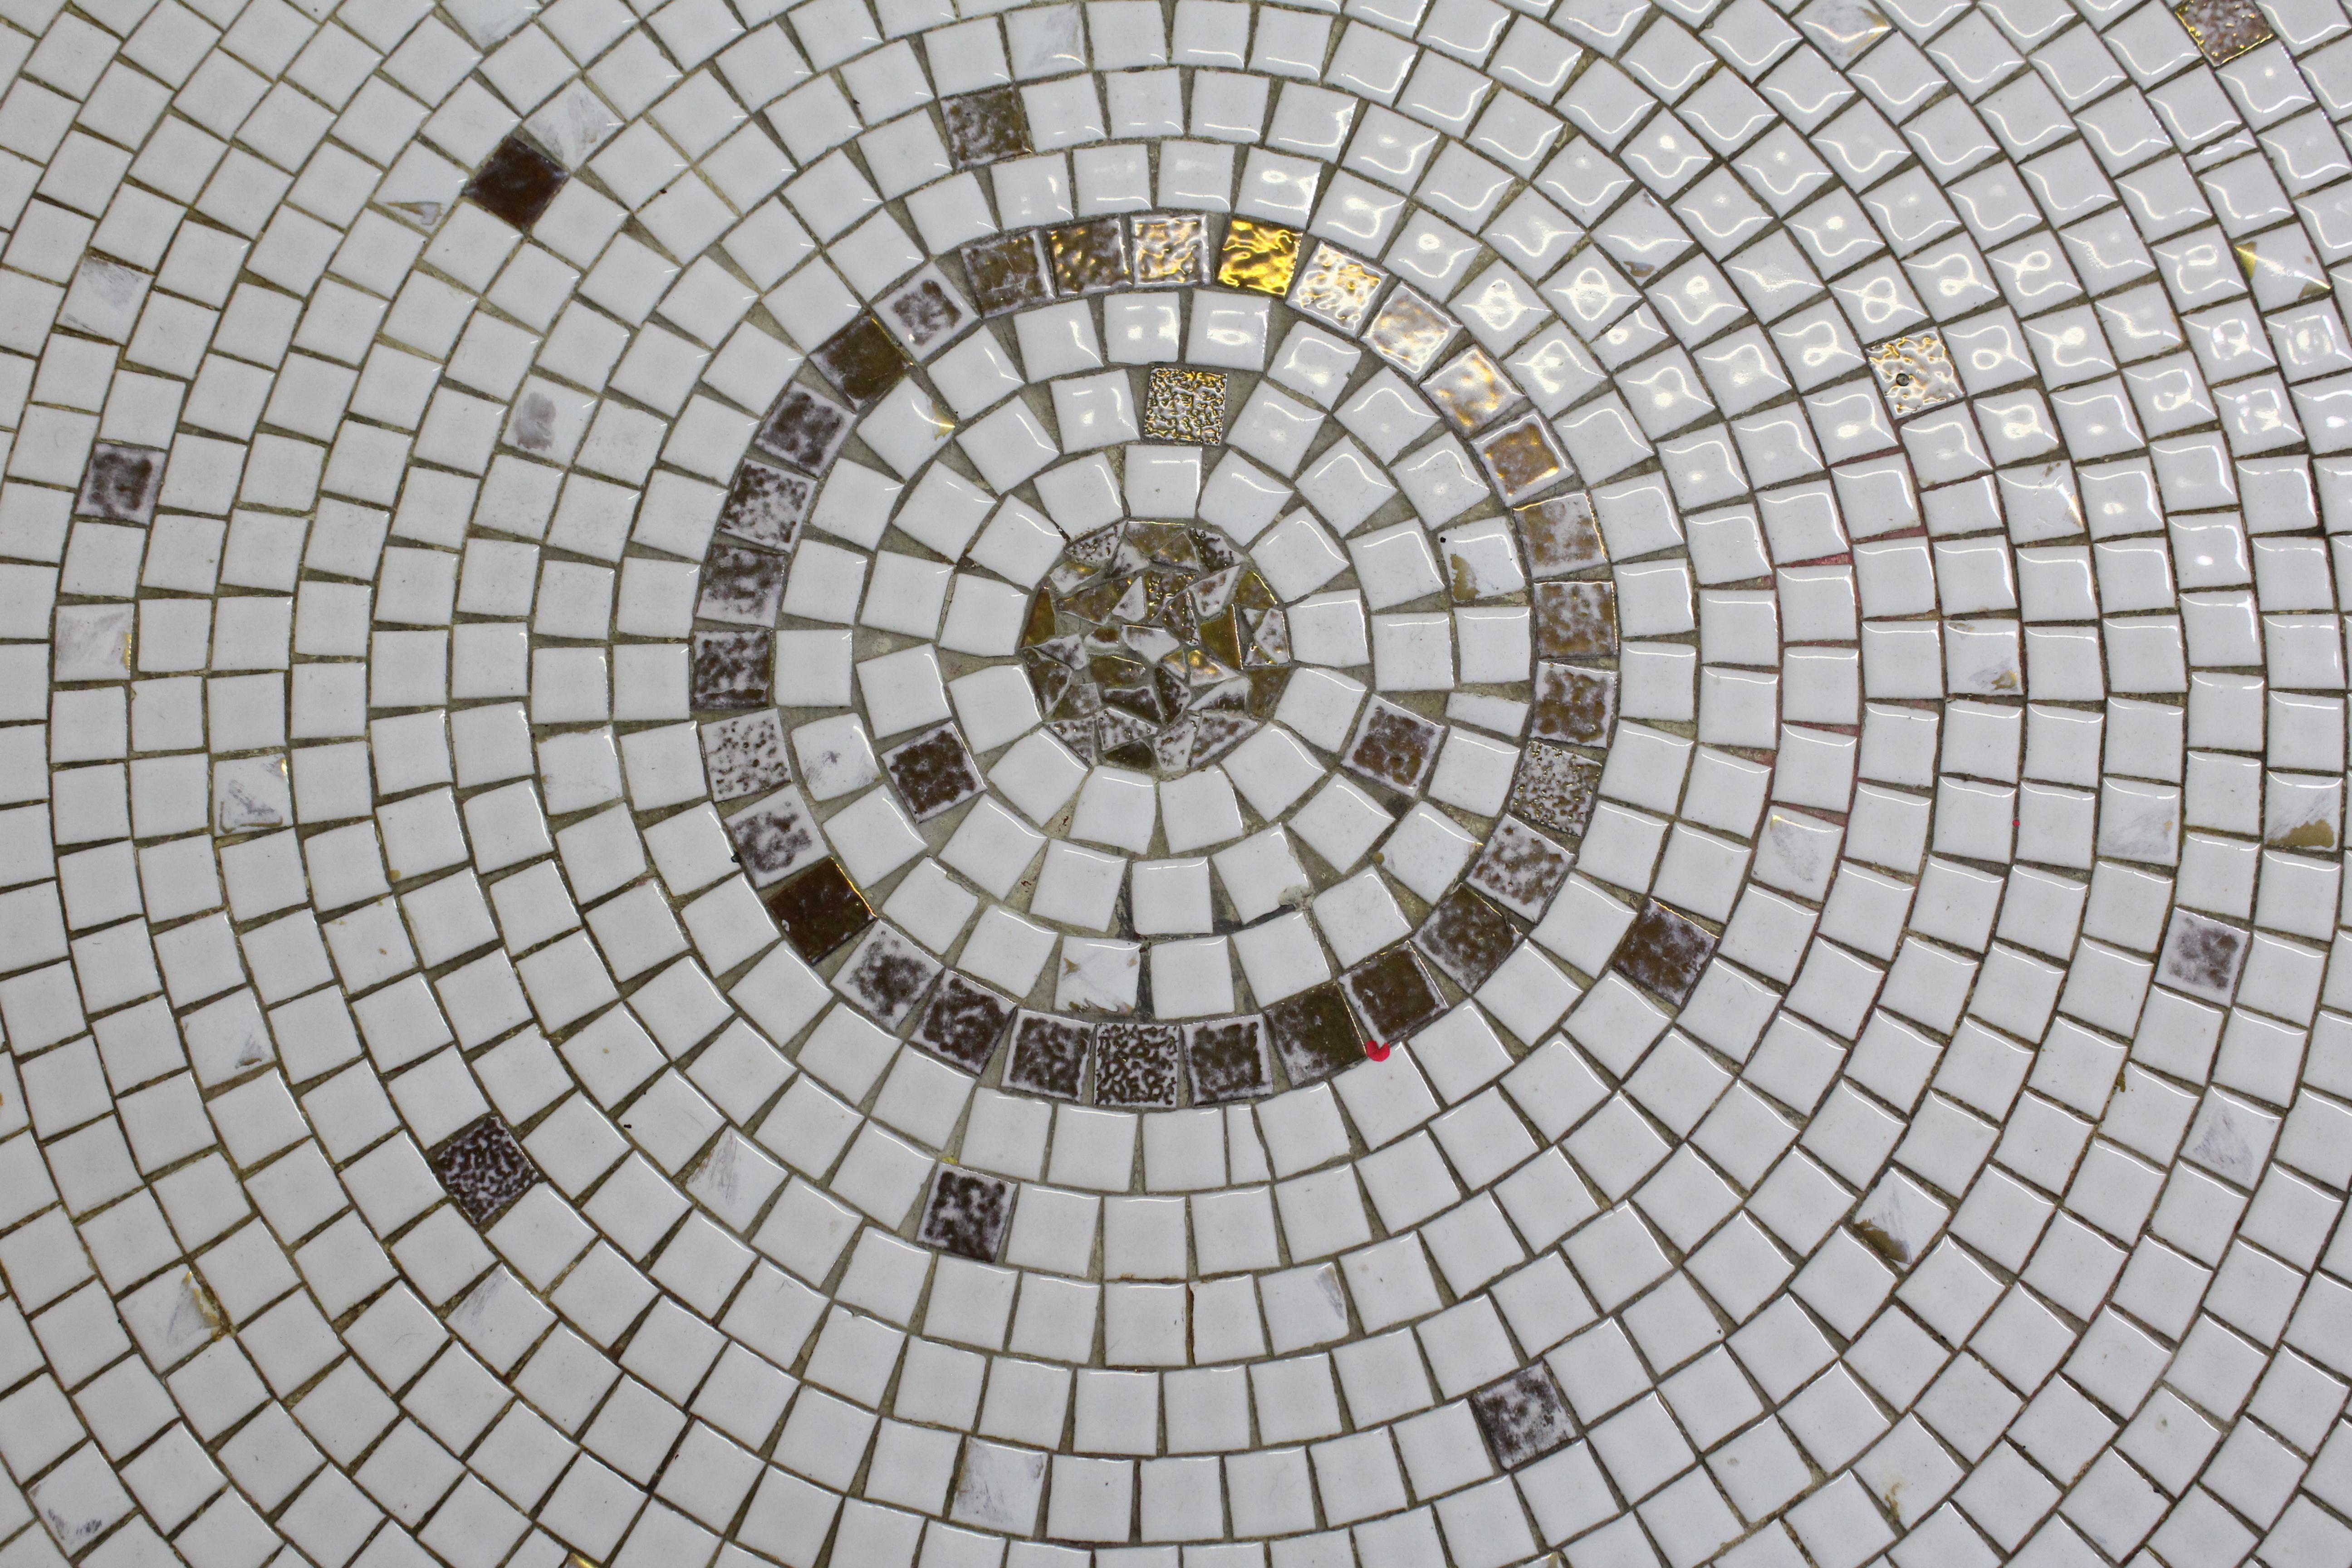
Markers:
{"x": 1377, "y": 1052}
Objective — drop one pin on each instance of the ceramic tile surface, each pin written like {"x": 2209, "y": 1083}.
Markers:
{"x": 1174, "y": 783}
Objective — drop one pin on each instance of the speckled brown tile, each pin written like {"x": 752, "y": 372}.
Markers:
{"x": 1560, "y": 536}
{"x": 1314, "y": 1033}
{"x": 1048, "y": 1055}
{"x": 1575, "y": 620}
{"x": 1410, "y": 332}
{"x": 732, "y": 669}
{"x": 745, "y": 586}
{"x": 1665, "y": 950}
{"x": 819, "y": 910}
{"x": 767, "y": 505}
{"x": 1522, "y": 1417}
{"x": 925, "y": 312}
{"x": 933, "y": 772}
{"x": 1471, "y": 390}
{"x": 1137, "y": 1065}
{"x": 1088, "y": 257}
{"x": 966, "y": 1214}
{"x": 1466, "y": 937}
{"x": 484, "y": 1170}
{"x": 1256, "y": 255}
{"x": 518, "y": 182}
{"x": 985, "y": 126}
{"x": 887, "y": 975}
{"x": 1574, "y": 702}
{"x": 963, "y": 1022}
{"x": 744, "y": 755}
{"x": 1393, "y": 745}
{"x": 1393, "y": 993}
{"x": 121, "y": 483}
{"x": 1519, "y": 868}
{"x": 1555, "y": 788}
{"x": 1180, "y": 404}
{"x": 775, "y": 836}
{"x": 2225, "y": 29}
{"x": 862, "y": 360}
{"x": 805, "y": 429}
{"x": 1228, "y": 1059}
{"x": 2202, "y": 956}
{"x": 1008, "y": 273}
{"x": 1521, "y": 459}
{"x": 1170, "y": 248}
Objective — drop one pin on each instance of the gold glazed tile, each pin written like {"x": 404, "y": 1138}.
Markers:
{"x": 1522, "y": 459}
{"x": 1180, "y": 404}
{"x": 1088, "y": 257}
{"x": 1409, "y": 331}
{"x": 1471, "y": 389}
{"x": 2225, "y": 29}
{"x": 1336, "y": 287}
{"x": 1259, "y": 256}
{"x": 1916, "y": 373}
{"x": 1171, "y": 247}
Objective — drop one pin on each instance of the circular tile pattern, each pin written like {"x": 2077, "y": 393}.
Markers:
{"x": 1174, "y": 786}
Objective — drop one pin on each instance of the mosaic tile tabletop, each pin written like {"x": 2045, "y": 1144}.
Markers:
{"x": 1407, "y": 784}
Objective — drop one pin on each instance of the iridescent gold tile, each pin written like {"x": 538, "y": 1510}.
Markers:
{"x": 1181, "y": 405}
{"x": 1522, "y": 459}
{"x": 2225, "y": 29}
{"x": 1259, "y": 256}
{"x": 1088, "y": 257}
{"x": 1336, "y": 287}
{"x": 1471, "y": 389}
{"x": 1409, "y": 331}
{"x": 1169, "y": 247}
{"x": 1916, "y": 373}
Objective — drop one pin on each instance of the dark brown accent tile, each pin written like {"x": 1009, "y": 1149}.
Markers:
{"x": 743, "y": 756}
{"x": 1556, "y": 788}
{"x": 745, "y": 586}
{"x": 966, "y": 1214}
{"x": 1089, "y": 257}
{"x": 1519, "y": 868}
{"x": 121, "y": 483}
{"x": 1228, "y": 1059}
{"x": 1466, "y": 937}
{"x": 516, "y": 181}
{"x": 887, "y": 975}
{"x": 1522, "y": 1416}
{"x": 862, "y": 360}
{"x": 985, "y": 126}
{"x": 732, "y": 671}
{"x": 819, "y": 910}
{"x": 1008, "y": 273}
{"x": 2203, "y": 956}
{"x": 805, "y": 429}
{"x": 1666, "y": 952}
{"x": 1575, "y": 620}
{"x": 1137, "y": 1065}
{"x": 1048, "y": 1055}
{"x": 775, "y": 837}
{"x": 1574, "y": 702}
{"x": 1315, "y": 1034}
{"x": 1393, "y": 745}
{"x": 484, "y": 1170}
{"x": 767, "y": 505}
{"x": 1522, "y": 457}
{"x": 933, "y": 771}
{"x": 925, "y": 312}
{"x": 964, "y": 1023}
{"x": 1393, "y": 993}
{"x": 1560, "y": 536}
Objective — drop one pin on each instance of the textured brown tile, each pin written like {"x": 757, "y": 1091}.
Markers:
{"x": 2225, "y": 29}
{"x": 1471, "y": 390}
{"x": 862, "y": 360}
{"x": 1007, "y": 273}
{"x": 1560, "y": 536}
{"x": 964, "y": 1023}
{"x": 732, "y": 671}
{"x": 887, "y": 975}
{"x": 775, "y": 836}
{"x": 121, "y": 483}
{"x": 745, "y": 586}
{"x": 1466, "y": 937}
{"x": 985, "y": 126}
{"x": 516, "y": 181}
{"x": 966, "y": 1214}
{"x": 1137, "y": 1065}
{"x": 805, "y": 429}
{"x": 1666, "y": 952}
{"x": 744, "y": 755}
{"x": 1555, "y": 788}
{"x": 819, "y": 910}
{"x": 1314, "y": 1033}
{"x": 1228, "y": 1059}
{"x": 767, "y": 505}
{"x": 925, "y": 312}
{"x": 1184, "y": 404}
{"x": 1048, "y": 1056}
{"x": 1410, "y": 332}
{"x": 1088, "y": 257}
{"x": 1170, "y": 248}
{"x": 484, "y": 1170}
{"x": 1575, "y": 620}
{"x": 1519, "y": 868}
{"x": 1393, "y": 745}
{"x": 1393, "y": 993}
{"x": 1521, "y": 458}
{"x": 1522, "y": 1417}
{"x": 1260, "y": 257}
{"x": 1574, "y": 703}
{"x": 933, "y": 772}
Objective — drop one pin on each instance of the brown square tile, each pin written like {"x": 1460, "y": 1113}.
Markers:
{"x": 1410, "y": 332}
{"x": 767, "y": 505}
{"x": 1519, "y": 868}
{"x": 516, "y": 181}
{"x": 1228, "y": 1059}
{"x": 775, "y": 836}
{"x": 925, "y": 312}
{"x": 805, "y": 429}
{"x": 1007, "y": 273}
{"x": 1048, "y": 1056}
{"x": 1574, "y": 702}
{"x": 1137, "y": 1065}
{"x": 484, "y": 1170}
{"x": 1314, "y": 1033}
{"x": 985, "y": 126}
{"x": 1184, "y": 404}
{"x": 862, "y": 360}
{"x": 1522, "y": 1417}
{"x": 744, "y": 755}
{"x": 933, "y": 772}
{"x": 819, "y": 910}
{"x": 2225, "y": 29}
{"x": 887, "y": 975}
{"x": 1393, "y": 745}
{"x": 1575, "y": 620}
{"x": 745, "y": 586}
{"x": 1393, "y": 993}
{"x": 121, "y": 483}
{"x": 1555, "y": 788}
{"x": 1666, "y": 952}
{"x": 964, "y": 1023}
{"x": 1088, "y": 257}
{"x": 1522, "y": 457}
{"x": 1471, "y": 390}
{"x": 1466, "y": 937}
{"x": 732, "y": 671}
{"x": 1258, "y": 256}
{"x": 1560, "y": 536}
{"x": 966, "y": 1214}
{"x": 1170, "y": 248}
